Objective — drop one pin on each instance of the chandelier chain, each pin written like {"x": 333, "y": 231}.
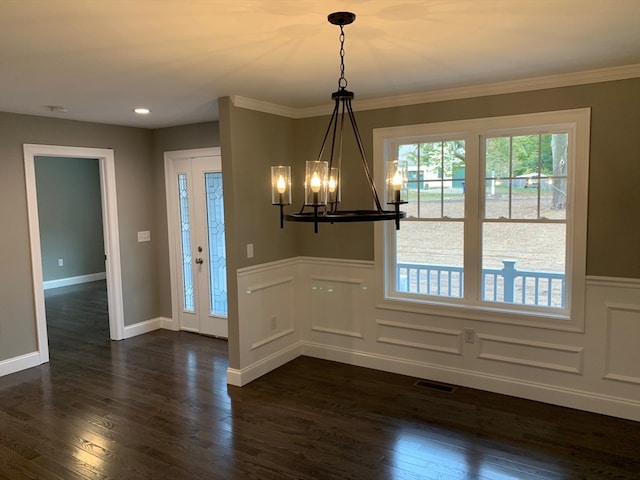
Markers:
{"x": 342, "y": 81}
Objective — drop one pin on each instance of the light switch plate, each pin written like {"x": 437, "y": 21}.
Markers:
{"x": 144, "y": 236}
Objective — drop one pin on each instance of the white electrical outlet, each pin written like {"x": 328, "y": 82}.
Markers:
{"x": 273, "y": 323}
{"x": 60, "y": 262}
{"x": 469, "y": 335}
{"x": 249, "y": 250}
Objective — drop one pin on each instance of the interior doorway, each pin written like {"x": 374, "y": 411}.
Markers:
{"x": 105, "y": 159}
{"x": 72, "y": 249}
{"x": 195, "y": 213}
{"x": 70, "y": 220}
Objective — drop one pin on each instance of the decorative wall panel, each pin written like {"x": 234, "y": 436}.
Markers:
{"x": 623, "y": 343}
{"x": 418, "y": 336}
{"x": 562, "y": 358}
{"x": 271, "y": 307}
{"x": 337, "y": 306}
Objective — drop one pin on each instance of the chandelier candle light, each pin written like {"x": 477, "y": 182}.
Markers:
{"x": 322, "y": 184}
{"x": 281, "y": 189}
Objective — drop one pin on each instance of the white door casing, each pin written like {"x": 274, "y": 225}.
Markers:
{"x": 106, "y": 161}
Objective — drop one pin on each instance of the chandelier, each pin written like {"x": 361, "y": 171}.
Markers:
{"x": 322, "y": 185}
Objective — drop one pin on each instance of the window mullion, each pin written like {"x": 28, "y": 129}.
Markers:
{"x": 474, "y": 205}
{"x": 442, "y": 179}
{"x": 539, "y": 189}
{"x": 511, "y": 175}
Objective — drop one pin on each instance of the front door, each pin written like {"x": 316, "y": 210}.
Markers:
{"x": 195, "y": 192}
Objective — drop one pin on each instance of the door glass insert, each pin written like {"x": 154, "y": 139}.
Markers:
{"x": 217, "y": 252}
{"x": 185, "y": 237}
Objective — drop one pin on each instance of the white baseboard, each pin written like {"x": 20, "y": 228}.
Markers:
{"x": 65, "y": 282}
{"x": 169, "y": 324}
{"x": 242, "y": 377}
{"x": 16, "y": 364}
{"x": 566, "y": 397}
{"x": 33, "y": 359}
{"x": 145, "y": 327}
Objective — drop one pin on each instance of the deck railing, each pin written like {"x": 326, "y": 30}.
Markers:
{"x": 506, "y": 284}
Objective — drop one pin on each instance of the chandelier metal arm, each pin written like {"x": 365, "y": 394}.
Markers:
{"x": 335, "y": 119}
{"x": 363, "y": 156}
{"x": 338, "y": 154}
{"x": 334, "y": 115}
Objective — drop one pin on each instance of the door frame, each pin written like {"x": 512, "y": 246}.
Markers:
{"x": 111, "y": 235}
{"x": 172, "y": 219}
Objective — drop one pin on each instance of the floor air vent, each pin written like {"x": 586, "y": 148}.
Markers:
{"x": 438, "y": 387}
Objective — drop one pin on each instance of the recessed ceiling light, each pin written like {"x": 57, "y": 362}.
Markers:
{"x": 142, "y": 111}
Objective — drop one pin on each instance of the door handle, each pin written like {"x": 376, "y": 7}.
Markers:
{"x": 199, "y": 261}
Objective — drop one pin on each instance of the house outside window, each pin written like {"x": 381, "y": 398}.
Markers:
{"x": 496, "y": 219}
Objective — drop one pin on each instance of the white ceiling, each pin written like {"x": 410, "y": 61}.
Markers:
{"x": 102, "y": 58}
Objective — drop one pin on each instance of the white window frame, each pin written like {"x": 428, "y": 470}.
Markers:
{"x": 577, "y": 123}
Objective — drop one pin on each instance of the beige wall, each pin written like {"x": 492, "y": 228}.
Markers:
{"x": 614, "y": 190}
{"x": 70, "y": 216}
{"x": 139, "y": 165}
{"x": 136, "y": 207}
{"x": 251, "y": 142}
{"x": 345, "y": 240}
{"x": 590, "y": 367}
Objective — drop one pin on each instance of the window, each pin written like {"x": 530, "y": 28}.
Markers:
{"x": 496, "y": 219}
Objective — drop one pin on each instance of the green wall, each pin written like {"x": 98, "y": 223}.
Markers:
{"x": 70, "y": 216}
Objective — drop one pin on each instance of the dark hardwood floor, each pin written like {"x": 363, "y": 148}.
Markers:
{"x": 157, "y": 407}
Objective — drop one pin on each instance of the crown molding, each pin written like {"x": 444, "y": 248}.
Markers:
{"x": 498, "y": 88}
{"x": 265, "y": 107}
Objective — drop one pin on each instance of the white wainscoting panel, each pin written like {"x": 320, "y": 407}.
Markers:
{"x": 623, "y": 343}
{"x": 562, "y": 358}
{"x": 613, "y": 340}
{"x": 337, "y": 302}
{"x": 419, "y": 336}
{"x": 267, "y": 312}
{"x": 337, "y": 305}
{"x": 271, "y": 305}
{"x": 326, "y": 308}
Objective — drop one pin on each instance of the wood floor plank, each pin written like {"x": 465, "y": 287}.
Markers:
{"x": 157, "y": 406}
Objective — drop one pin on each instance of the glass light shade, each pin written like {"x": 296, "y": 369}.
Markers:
{"x": 316, "y": 182}
{"x": 396, "y": 181}
{"x": 333, "y": 186}
{"x": 281, "y": 185}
